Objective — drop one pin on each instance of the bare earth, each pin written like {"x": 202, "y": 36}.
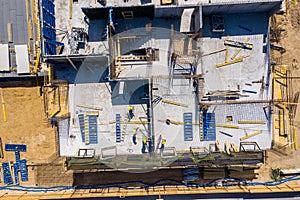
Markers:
{"x": 289, "y": 23}
{"x": 26, "y": 124}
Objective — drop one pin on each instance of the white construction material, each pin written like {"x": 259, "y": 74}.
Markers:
{"x": 22, "y": 59}
{"x": 186, "y": 19}
{"x": 4, "y": 61}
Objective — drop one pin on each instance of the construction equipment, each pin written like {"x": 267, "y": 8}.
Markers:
{"x": 250, "y": 135}
{"x": 240, "y": 59}
{"x": 174, "y": 103}
{"x": 243, "y": 45}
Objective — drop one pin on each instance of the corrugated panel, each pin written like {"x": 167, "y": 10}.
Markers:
{"x": 16, "y": 174}
{"x": 186, "y": 18}
{"x": 118, "y": 128}
{"x": 93, "y": 129}
{"x": 188, "y": 126}
{"x": 4, "y": 61}
{"x": 22, "y": 59}
{"x": 23, "y": 170}
{"x": 15, "y": 147}
{"x": 81, "y": 126}
{"x": 209, "y": 127}
{"x": 6, "y": 173}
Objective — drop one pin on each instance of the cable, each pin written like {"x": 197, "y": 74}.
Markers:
{"x": 160, "y": 182}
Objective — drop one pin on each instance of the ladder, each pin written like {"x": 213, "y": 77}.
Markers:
{"x": 124, "y": 127}
{"x": 188, "y": 126}
{"x": 81, "y": 126}
{"x": 86, "y": 130}
{"x": 118, "y": 128}
{"x": 6, "y": 173}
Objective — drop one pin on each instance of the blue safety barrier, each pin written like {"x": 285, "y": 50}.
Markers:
{"x": 48, "y": 27}
{"x": 6, "y": 173}
{"x": 118, "y": 128}
{"x": 16, "y": 174}
{"x": 93, "y": 129}
{"x": 208, "y": 126}
{"x": 81, "y": 126}
{"x": 23, "y": 170}
{"x": 15, "y": 147}
{"x": 188, "y": 126}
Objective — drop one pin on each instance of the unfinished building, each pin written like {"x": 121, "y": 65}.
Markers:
{"x": 156, "y": 84}
{"x": 143, "y": 85}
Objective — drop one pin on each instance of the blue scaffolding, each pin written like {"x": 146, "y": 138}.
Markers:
{"x": 16, "y": 173}
{"x": 23, "y": 170}
{"x": 48, "y": 27}
{"x": 15, "y": 147}
{"x": 81, "y": 126}
{"x": 93, "y": 129}
{"x": 118, "y": 128}
{"x": 188, "y": 126}
{"x": 208, "y": 127}
{"x": 7, "y": 173}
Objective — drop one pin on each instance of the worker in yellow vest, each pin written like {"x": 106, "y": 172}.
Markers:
{"x": 130, "y": 112}
{"x": 163, "y": 142}
{"x": 144, "y": 141}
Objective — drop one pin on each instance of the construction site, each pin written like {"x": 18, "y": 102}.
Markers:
{"x": 149, "y": 98}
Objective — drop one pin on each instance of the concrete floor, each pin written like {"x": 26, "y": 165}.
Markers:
{"x": 91, "y": 89}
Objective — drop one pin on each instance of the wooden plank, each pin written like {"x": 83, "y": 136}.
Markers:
{"x": 3, "y": 106}
{"x": 251, "y": 122}
{"x": 250, "y": 135}
{"x": 227, "y": 126}
{"x": 174, "y": 103}
{"x": 9, "y": 33}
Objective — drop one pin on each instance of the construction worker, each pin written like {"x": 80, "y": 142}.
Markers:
{"x": 144, "y": 141}
{"x": 150, "y": 148}
{"x": 134, "y": 135}
{"x": 130, "y": 112}
{"x": 163, "y": 142}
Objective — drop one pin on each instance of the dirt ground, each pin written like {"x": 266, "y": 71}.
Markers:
{"x": 26, "y": 124}
{"x": 288, "y": 24}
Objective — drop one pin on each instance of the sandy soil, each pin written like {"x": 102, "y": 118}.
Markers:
{"x": 26, "y": 124}
{"x": 289, "y": 23}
